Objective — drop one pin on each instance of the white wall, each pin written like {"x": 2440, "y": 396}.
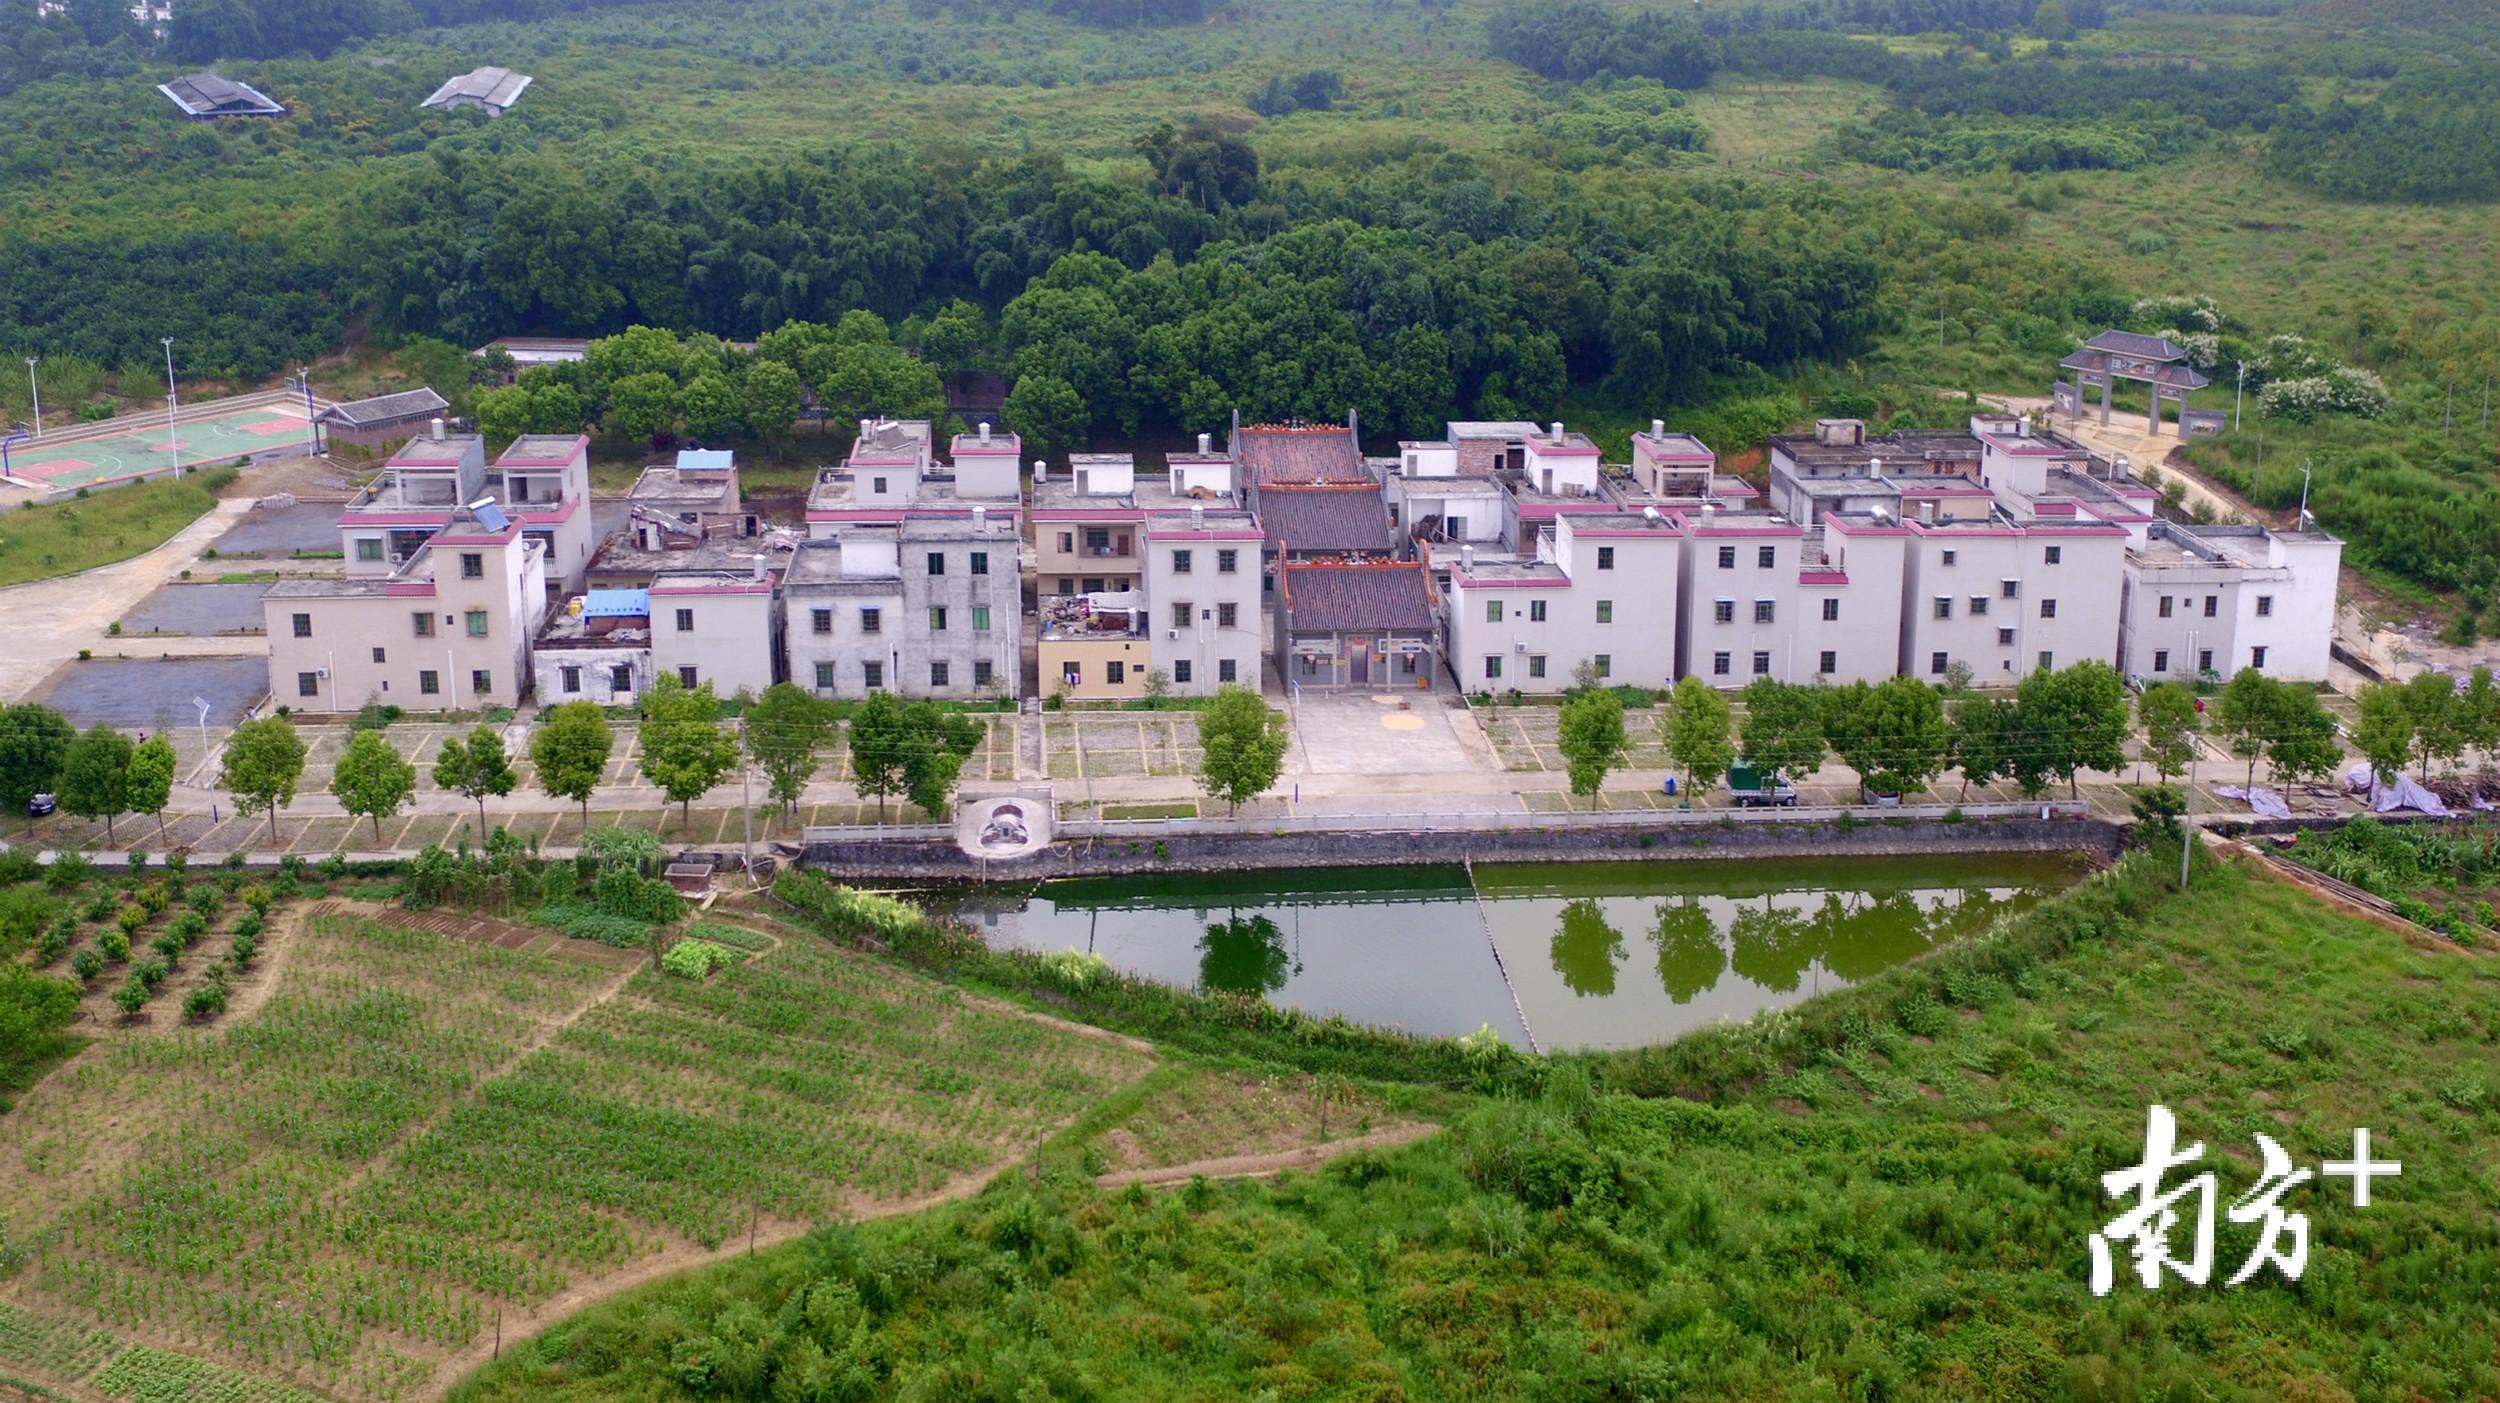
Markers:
{"x": 1744, "y": 583}
{"x": 1204, "y": 644}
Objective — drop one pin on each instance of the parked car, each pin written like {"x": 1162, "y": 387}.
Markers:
{"x": 1752, "y": 788}
{"x": 40, "y": 806}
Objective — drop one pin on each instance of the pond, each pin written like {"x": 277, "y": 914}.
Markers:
{"x": 1564, "y": 955}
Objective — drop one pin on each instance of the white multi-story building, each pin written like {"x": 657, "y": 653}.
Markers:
{"x": 541, "y": 482}
{"x": 2009, "y": 597}
{"x": 1597, "y": 592}
{"x": 2204, "y": 600}
{"x": 930, "y": 606}
{"x": 1739, "y": 594}
{"x": 1208, "y": 623}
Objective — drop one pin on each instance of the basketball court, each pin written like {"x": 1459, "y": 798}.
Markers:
{"x": 76, "y": 456}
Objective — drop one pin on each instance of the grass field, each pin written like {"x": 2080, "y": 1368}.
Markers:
{"x": 1900, "y": 1212}
{"x": 418, "y": 1136}
{"x": 66, "y": 537}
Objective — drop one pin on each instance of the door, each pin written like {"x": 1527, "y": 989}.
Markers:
{"x": 1358, "y": 664}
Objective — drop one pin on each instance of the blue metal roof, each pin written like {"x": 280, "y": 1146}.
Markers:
{"x": 616, "y": 604}
{"x": 715, "y": 460}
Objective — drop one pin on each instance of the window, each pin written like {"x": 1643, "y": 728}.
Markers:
{"x": 1180, "y": 671}
{"x": 368, "y": 548}
{"x": 2009, "y": 589}
{"x": 1224, "y": 670}
{"x": 873, "y": 675}
{"x": 1944, "y": 606}
{"x": 1536, "y": 611}
{"x": 1761, "y": 664}
{"x": 1536, "y": 664}
{"x": 481, "y": 682}
{"x": 1605, "y": 557}
{"x": 308, "y": 684}
{"x": 980, "y": 562}
{"x": 937, "y": 618}
{"x": 821, "y": 620}
{"x": 1605, "y": 664}
{"x": 572, "y": 679}
{"x": 1093, "y": 584}
{"x": 685, "y": 621}
{"x": 1951, "y": 556}
{"x": 981, "y": 672}
{"x": 2048, "y": 608}
{"x": 1828, "y": 664}
{"x": 1066, "y": 585}
{"x": 2204, "y": 660}
{"x": 937, "y": 562}
{"x": 2257, "y": 658}
{"x": 1764, "y": 610}
{"x": 1831, "y": 609}
{"x": 2048, "y": 661}
{"x": 1767, "y": 557}
{"x": 824, "y": 677}
{"x": 937, "y": 674}
{"x": 423, "y": 623}
{"x": 2005, "y": 638}
{"x": 2052, "y": 556}
{"x": 1180, "y": 615}
{"x": 877, "y": 485}
{"x": 1072, "y": 673}
{"x": 429, "y": 684}
{"x": 1228, "y": 562}
{"x": 871, "y": 620}
{"x": 2265, "y": 606}
{"x": 621, "y": 678}
{"x": 1098, "y": 540}
{"x": 1115, "y": 673}
{"x": 1227, "y": 615}
{"x": 2212, "y": 603}
{"x": 1492, "y": 667}
{"x": 378, "y": 656}
{"x": 2161, "y": 660}
{"x": 2164, "y": 609}
{"x": 1180, "y": 562}
{"x": 1723, "y": 611}
{"x": 1936, "y": 664}
{"x": 980, "y": 618}
{"x": 303, "y": 625}
{"x": 1067, "y": 546}
{"x": 1493, "y": 611}
{"x": 1727, "y": 557}
{"x": 686, "y": 677}
{"x": 472, "y": 566}
{"x": 1718, "y": 664}
{"x": 477, "y": 623}
{"x": 1605, "y": 611}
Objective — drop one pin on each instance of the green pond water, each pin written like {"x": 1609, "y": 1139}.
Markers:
{"x": 1596, "y": 954}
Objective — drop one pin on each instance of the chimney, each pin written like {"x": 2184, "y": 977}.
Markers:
{"x": 1206, "y": 445}
{"x": 1041, "y": 471}
{"x": 985, "y": 433}
{"x": 1657, "y": 428}
{"x": 980, "y": 513}
{"x": 1197, "y": 516}
{"x": 437, "y": 429}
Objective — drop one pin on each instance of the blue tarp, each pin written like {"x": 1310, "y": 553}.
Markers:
{"x": 616, "y": 603}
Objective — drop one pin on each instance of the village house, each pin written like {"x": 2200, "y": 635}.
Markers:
{"x": 2203, "y": 602}
{"x": 542, "y": 483}
{"x": 1594, "y": 596}
{"x": 383, "y": 421}
{"x": 450, "y": 629}
{"x": 927, "y": 606}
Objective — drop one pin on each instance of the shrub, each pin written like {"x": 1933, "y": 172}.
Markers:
{"x": 155, "y": 897}
{"x": 257, "y": 897}
{"x": 245, "y": 947}
{"x": 99, "y": 907}
{"x": 590, "y": 923}
{"x": 249, "y": 923}
{"x": 1075, "y": 970}
{"x": 206, "y": 899}
{"x": 620, "y": 891}
{"x": 188, "y": 928}
{"x": 695, "y": 959}
{"x": 114, "y": 943}
{"x": 206, "y": 1001}
{"x": 68, "y": 870}
{"x": 132, "y": 917}
{"x": 132, "y": 995}
{"x": 167, "y": 945}
{"x": 86, "y": 964}
{"x": 151, "y": 971}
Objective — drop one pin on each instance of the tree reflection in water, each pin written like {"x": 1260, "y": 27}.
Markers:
{"x": 1690, "y": 958}
{"x": 1772, "y": 943}
{"x": 1586, "y": 949}
{"x": 1244, "y": 955}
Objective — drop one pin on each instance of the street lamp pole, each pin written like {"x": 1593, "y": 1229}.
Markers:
{"x": 2239, "y": 393}
{"x": 173, "y": 399}
{"x": 2304, "y": 494}
{"x": 312, "y": 420}
{"x": 37, "y": 391}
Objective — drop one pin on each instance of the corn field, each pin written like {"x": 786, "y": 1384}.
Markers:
{"x": 341, "y": 1189}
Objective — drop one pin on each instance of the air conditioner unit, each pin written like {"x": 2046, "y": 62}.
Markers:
{"x": 1171, "y": 633}
{"x": 325, "y": 674}
{"x": 1519, "y": 647}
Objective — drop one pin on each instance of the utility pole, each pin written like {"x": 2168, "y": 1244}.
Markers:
{"x": 2304, "y": 494}
{"x": 37, "y": 391}
{"x": 173, "y": 396}
{"x": 312, "y": 420}
{"x": 2239, "y": 395}
{"x": 746, "y": 812}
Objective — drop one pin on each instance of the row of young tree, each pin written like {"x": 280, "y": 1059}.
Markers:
{"x": 1901, "y": 735}
{"x": 2429, "y": 720}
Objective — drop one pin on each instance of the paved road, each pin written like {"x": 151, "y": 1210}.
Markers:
{"x": 50, "y": 620}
